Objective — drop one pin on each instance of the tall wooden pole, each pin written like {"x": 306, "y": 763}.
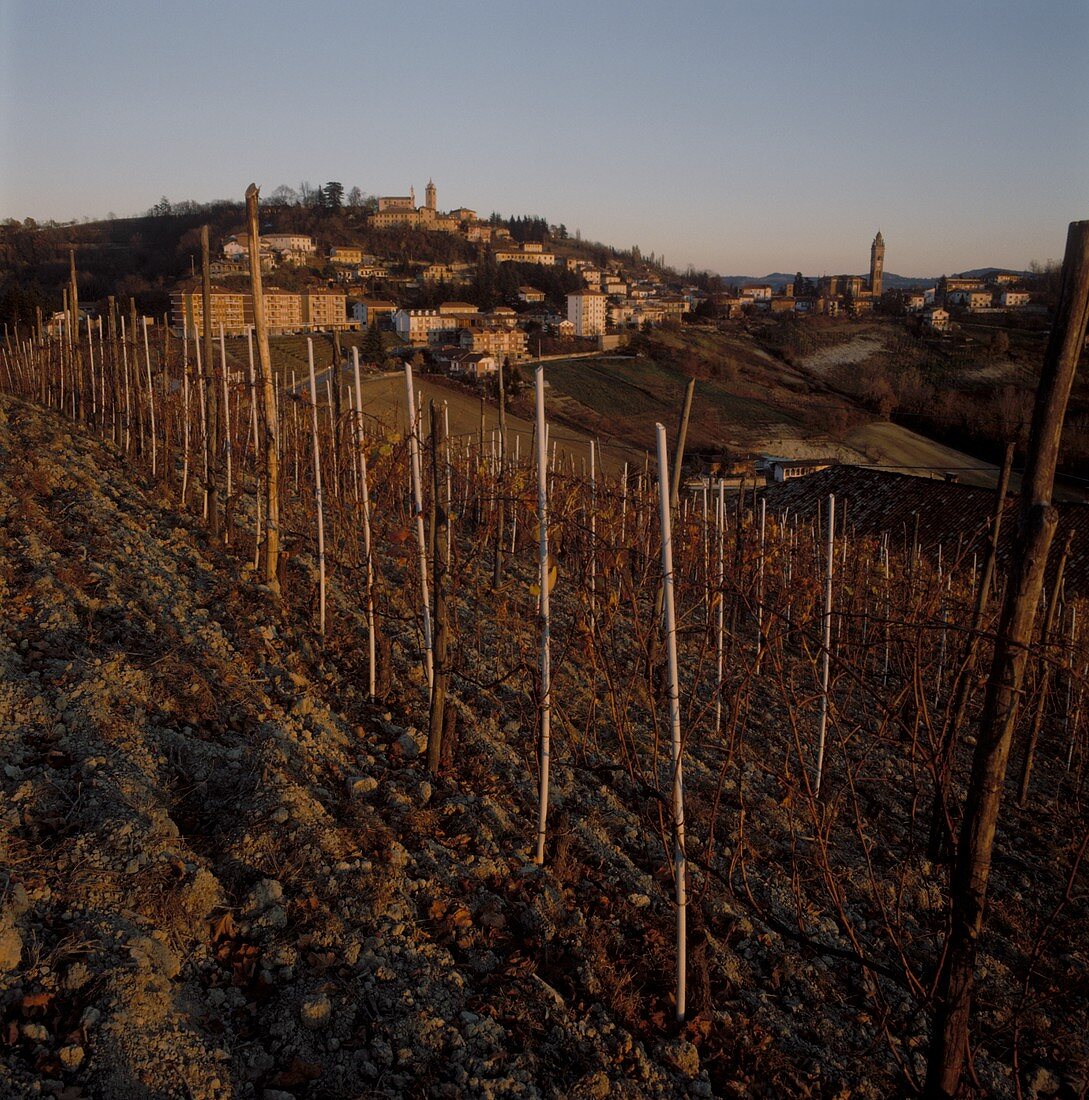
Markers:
{"x": 544, "y": 706}
{"x": 438, "y": 584}
{"x": 211, "y": 402}
{"x": 940, "y": 839}
{"x": 497, "y": 571}
{"x": 826, "y": 640}
{"x": 268, "y": 400}
{"x": 1036, "y": 529}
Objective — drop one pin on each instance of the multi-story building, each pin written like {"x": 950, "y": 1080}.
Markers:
{"x": 289, "y": 242}
{"x": 530, "y": 294}
{"x": 529, "y": 253}
{"x": 757, "y": 292}
{"x": 228, "y": 308}
{"x": 324, "y": 309}
{"x": 936, "y": 318}
{"x": 1012, "y": 299}
{"x": 283, "y": 310}
{"x": 423, "y": 326}
{"x": 586, "y": 311}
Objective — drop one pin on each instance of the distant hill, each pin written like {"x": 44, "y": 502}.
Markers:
{"x": 983, "y": 272}
{"x": 779, "y": 279}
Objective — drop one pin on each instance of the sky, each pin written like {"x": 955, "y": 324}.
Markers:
{"x": 738, "y": 137}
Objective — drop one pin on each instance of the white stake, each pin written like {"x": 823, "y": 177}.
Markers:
{"x": 417, "y": 506}
{"x": 679, "y": 862}
{"x": 366, "y": 522}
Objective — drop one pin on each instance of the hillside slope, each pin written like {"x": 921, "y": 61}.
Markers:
{"x": 226, "y": 874}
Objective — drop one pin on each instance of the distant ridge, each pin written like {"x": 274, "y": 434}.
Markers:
{"x": 779, "y": 279}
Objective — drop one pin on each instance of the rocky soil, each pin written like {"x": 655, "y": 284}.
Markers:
{"x": 224, "y": 873}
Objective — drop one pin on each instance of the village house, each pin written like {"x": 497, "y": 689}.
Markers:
{"x": 936, "y": 318}
{"x": 1013, "y": 299}
{"x": 970, "y": 299}
{"x": 756, "y": 292}
{"x": 505, "y": 343}
{"x": 530, "y": 294}
{"x": 340, "y": 254}
{"x": 465, "y": 363}
{"x": 369, "y": 310}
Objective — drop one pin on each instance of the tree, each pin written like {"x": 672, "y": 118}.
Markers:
{"x": 284, "y": 196}
{"x": 374, "y": 348}
{"x": 333, "y": 194}
{"x": 1000, "y": 344}
{"x": 355, "y": 198}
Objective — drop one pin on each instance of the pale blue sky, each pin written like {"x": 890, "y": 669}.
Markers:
{"x": 741, "y": 137}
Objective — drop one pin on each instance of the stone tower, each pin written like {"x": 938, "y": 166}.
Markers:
{"x": 877, "y": 264}
{"x": 432, "y": 198}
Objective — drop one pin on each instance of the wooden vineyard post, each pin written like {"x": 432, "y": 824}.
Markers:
{"x": 544, "y": 708}
{"x": 438, "y": 578}
{"x": 826, "y": 640}
{"x": 417, "y": 508}
{"x": 366, "y": 501}
{"x": 670, "y": 626}
{"x": 150, "y": 397}
{"x": 1036, "y": 528}
{"x": 268, "y": 402}
{"x": 497, "y": 573}
{"x": 940, "y": 840}
{"x": 1045, "y": 675}
{"x": 720, "y": 610}
{"x": 210, "y": 400}
{"x": 225, "y": 420}
{"x": 73, "y": 301}
{"x": 317, "y": 486}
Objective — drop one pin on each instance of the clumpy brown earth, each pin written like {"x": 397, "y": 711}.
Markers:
{"x": 225, "y": 873}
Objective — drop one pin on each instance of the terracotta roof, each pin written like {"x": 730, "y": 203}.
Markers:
{"x": 879, "y": 502}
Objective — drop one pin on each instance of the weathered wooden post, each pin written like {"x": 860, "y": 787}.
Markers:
{"x": 1036, "y": 529}
{"x": 268, "y": 401}
{"x": 211, "y": 402}
{"x": 544, "y": 706}
{"x": 438, "y": 579}
{"x": 317, "y": 486}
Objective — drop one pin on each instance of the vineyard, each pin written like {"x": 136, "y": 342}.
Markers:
{"x": 684, "y": 790}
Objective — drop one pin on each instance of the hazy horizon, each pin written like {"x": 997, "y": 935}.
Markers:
{"x": 736, "y": 140}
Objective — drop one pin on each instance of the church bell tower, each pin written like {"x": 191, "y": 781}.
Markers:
{"x": 431, "y": 196}
{"x": 877, "y": 264}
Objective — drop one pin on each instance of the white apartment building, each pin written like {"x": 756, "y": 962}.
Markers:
{"x": 1011, "y": 299}
{"x": 586, "y": 310}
